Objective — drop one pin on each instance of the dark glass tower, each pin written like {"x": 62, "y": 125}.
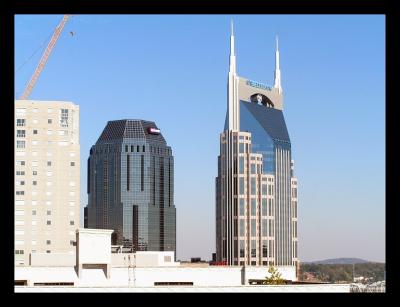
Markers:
{"x": 130, "y": 186}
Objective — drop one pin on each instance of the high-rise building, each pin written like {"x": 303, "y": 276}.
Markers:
{"x": 130, "y": 186}
{"x": 256, "y": 192}
{"x": 47, "y": 177}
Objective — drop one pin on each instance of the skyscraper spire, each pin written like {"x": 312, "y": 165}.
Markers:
{"x": 232, "y": 59}
{"x": 233, "y": 83}
{"x": 277, "y": 69}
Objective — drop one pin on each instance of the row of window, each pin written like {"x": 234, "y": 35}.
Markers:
{"x": 35, "y": 163}
{"x": 63, "y": 117}
{"x": 34, "y": 223}
{"x": 22, "y": 144}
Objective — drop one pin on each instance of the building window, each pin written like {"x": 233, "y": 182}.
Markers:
{"x": 265, "y": 228}
{"x": 72, "y": 242}
{"x": 20, "y": 122}
{"x": 48, "y": 242}
{"x": 20, "y": 144}
{"x": 72, "y": 163}
{"x": 20, "y": 163}
{"x": 253, "y": 207}
{"x": 34, "y": 131}
{"x": 20, "y": 192}
{"x": 253, "y": 227}
{"x": 20, "y": 173}
{"x": 264, "y": 249}
{"x": 253, "y": 186}
{"x": 34, "y": 173}
{"x": 253, "y": 168}
{"x": 241, "y": 206}
{"x": 241, "y": 248}
{"x": 19, "y": 251}
{"x": 241, "y": 185}
{"x": 253, "y": 249}
{"x": 144, "y": 148}
{"x": 48, "y": 251}
{"x": 241, "y": 165}
{"x": 33, "y": 212}
{"x": 64, "y": 118}
{"x": 126, "y": 148}
{"x": 242, "y": 229}
{"x": 34, "y": 182}
{"x": 48, "y": 163}
{"x": 20, "y": 133}
{"x": 48, "y": 222}
{"x": 49, "y": 121}
{"x": 264, "y": 207}
{"x": 72, "y": 223}
{"x": 48, "y": 212}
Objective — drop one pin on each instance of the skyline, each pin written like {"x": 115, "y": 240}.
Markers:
{"x": 353, "y": 56}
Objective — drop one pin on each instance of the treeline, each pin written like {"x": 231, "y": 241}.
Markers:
{"x": 343, "y": 272}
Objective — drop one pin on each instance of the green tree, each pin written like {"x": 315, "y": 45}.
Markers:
{"x": 275, "y": 278}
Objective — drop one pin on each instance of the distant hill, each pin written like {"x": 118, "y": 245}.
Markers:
{"x": 340, "y": 261}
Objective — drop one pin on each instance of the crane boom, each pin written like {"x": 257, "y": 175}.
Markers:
{"x": 44, "y": 58}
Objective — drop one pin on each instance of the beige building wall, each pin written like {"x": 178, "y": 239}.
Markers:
{"x": 47, "y": 177}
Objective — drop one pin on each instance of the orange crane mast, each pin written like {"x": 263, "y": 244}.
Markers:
{"x": 44, "y": 58}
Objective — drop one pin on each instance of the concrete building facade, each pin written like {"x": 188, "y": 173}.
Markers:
{"x": 256, "y": 191}
{"x": 47, "y": 177}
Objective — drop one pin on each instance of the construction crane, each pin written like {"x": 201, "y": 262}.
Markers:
{"x": 44, "y": 58}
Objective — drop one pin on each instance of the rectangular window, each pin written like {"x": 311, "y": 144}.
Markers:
{"x": 48, "y": 242}
{"x": 33, "y": 212}
{"x": 72, "y": 163}
{"x": 265, "y": 248}
{"x": 20, "y": 144}
{"x": 253, "y": 186}
{"x": 242, "y": 229}
{"x": 21, "y": 133}
{"x": 20, "y": 163}
{"x": 265, "y": 227}
{"x": 264, "y": 189}
{"x": 126, "y": 148}
{"x": 49, "y": 121}
{"x": 253, "y": 227}
{"x": 241, "y": 206}
{"x": 20, "y": 173}
{"x": 48, "y": 222}
{"x": 34, "y": 131}
{"x": 128, "y": 165}
{"x": 48, "y": 163}
{"x": 241, "y": 248}
{"x": 142, "y": 172}
{"x": 241, "y": 185}
{"x": 253, "y": 207}
{"x": 34, "y": 182}
{"x": 20, "y": 192}
{"x": 48, "y": 212}
{"x": 144, "y": 148}
{"x": 71, "y": 223}
{"x": 253, "y": 168}
{"x": 21, "y": 122}
{"x": 241, "y": 165}
{"x": 64, "y": 118}
{"x": 253, "y": 248}
{"x": 264, "y": 207}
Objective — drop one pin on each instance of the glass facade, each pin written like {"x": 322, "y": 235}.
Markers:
{"x": 130, "y": 186}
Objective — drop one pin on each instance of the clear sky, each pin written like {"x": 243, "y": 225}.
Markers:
{"x": 172, "y": 69}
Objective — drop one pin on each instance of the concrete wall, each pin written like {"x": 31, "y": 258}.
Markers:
{"x": 53, "y": 260}
{"x": 94, "y": 246}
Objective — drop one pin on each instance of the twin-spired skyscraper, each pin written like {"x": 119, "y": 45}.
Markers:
{"x": 256, "y": 192}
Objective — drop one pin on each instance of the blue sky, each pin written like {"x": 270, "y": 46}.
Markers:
{"x": 172, "y": 69}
